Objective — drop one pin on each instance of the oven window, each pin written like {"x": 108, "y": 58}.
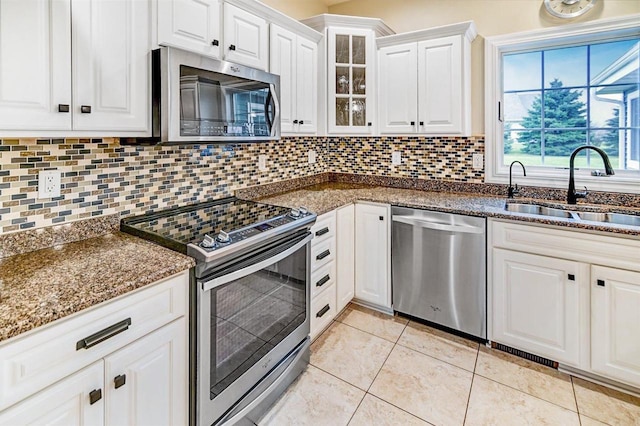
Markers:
{"x": 251, "y": 315}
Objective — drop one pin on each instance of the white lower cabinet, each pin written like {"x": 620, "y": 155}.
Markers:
{"x": 121, "y": 363}
{"x": 570, "y": 296}
{"x": 615, "y": 324}
{"x": 145, "y": 380}
{"x": 345, "y": 259}
{"x": 373, "y": 254}
{"x": 537, "y": 304}
{"x": 67, "y": 403}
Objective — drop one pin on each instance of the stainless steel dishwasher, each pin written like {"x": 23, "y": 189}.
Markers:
{"x": 438, "y": 263}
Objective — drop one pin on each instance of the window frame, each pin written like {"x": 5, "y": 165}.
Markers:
{"x": 564, "y": 36}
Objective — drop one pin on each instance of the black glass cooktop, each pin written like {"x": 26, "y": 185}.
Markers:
{"x": 177, "y": 227}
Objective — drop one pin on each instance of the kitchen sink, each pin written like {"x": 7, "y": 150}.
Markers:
{"x": 538, "y": 210}
{"x": 603, "y": 217}
{"x": 616, "y": 218}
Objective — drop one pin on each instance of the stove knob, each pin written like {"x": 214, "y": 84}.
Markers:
{"x": 223, "y": 237}
{"x": 303, "y": 211}
{"x": 294, "y": 213}
{"x": 208, "y": 242}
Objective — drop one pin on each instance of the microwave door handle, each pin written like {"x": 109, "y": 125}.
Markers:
{"x": 272, "y": 99}
{"x": 217, "y": 282}
{"x": 267, "y": 111}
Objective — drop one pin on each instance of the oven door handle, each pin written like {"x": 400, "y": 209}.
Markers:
{"x": 217, "y": 282}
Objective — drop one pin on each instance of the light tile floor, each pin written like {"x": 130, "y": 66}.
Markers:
{"x": 368, "y": 368}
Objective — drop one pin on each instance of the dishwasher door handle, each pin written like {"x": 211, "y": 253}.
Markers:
{"x": 417, "y": 221}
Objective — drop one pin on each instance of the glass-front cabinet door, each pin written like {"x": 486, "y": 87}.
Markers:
{"x": 351, "y": 80}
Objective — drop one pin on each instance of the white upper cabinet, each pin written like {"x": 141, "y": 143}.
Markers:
{"x": 110, "y": 60}
{"x": 107, "y": 90}
{"x": 35, "y": 65}
{"x": 193, "y": 25}
{"x": 398, "y": 70}
{"x": 295, "y": 59}
{"x": 425, "y": 81}
{"x": 246, "y": 38}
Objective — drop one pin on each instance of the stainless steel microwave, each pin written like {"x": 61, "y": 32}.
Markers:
{"x": 196, "y": 99}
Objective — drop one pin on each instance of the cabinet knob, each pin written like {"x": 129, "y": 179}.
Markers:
{"x": 422, "y": 123}
{"x": 295, "y": 121}
{"x": 369, "y": 124}
{"x": 120, "y": 380}
{"x": 63, "y": 108}
{"x": 600, "y": 283}
{"x": 215, "y": 42}
{"x": 232, "y": 47}
{"x": 95, "y": 396}
{"x": 85, "y": 109}
{"x": 301, "y": 121}
{"x": 413, "y": 123}
{"x": 571, "y": 277}
{"x": 381, "y": 217}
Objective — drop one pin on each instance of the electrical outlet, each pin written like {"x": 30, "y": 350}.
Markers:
{"x": 262, "y": 162}
{"x": 396, "y": 158}
{"x": 49, "y": 184}
{"x": 312, "y": 156}
{"x": 478, "y": 161}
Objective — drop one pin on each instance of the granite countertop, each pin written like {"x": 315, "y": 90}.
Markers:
{"x": 324, "y": 197}
{"x": 39, "y": 287}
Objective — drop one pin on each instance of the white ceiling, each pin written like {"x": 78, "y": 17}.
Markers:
{"x": 332, "y": 2}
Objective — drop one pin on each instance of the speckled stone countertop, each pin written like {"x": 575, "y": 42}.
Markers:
{"x": 41, "y": 286}
{"x": 324, "y": 197}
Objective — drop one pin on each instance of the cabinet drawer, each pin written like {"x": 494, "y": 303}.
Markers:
{"x": 322, "y": 253}
{"x": 38, "y": 359}
{"x": 323, "y": 278}
{"x": 323, "y": 310}
{"x": 324, "y": 228}
{"x": 598, "y": 249}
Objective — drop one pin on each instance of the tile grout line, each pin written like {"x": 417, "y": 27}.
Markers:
{"x": 575, "y": 398}
{"x": 473, "y": 376}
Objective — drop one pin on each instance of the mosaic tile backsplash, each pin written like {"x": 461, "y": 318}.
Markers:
{"x": 99, "y": 176}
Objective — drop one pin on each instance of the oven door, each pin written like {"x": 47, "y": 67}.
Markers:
{"x": 253, "y": 313}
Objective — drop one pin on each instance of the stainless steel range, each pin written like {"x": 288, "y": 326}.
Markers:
{"x": 249, "y": 301}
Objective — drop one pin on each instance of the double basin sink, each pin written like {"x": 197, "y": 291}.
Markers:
{"x": 602, "y": 217}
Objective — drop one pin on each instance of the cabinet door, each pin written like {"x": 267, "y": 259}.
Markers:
{"x": 111, "y": 65}
{"x": 283, "y": 62}
{"x": 615, "y": 324}
{"x": 147, "y": 380}
{"x": 351, "y": 81}
{"x": 66, "y": 403}
{"x": 440, "y": 85}
{"x": 307, "y": 85}
{"x": 35, "y": 64}
{"x": 398, "y": 71}
{"x": 345, "y": 255}
{"x": 245, "y": 38}
{"x": 192, "y": 25}
{"x": 541, "y": 305}
{"x": 372, "y": 256}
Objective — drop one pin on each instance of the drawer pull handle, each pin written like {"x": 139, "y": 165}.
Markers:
{"x": 322, "y": 231}
{"x": 600, "y": 283}
{"x": 571, "y": 277}
{"x": 120, "y": 380}
{"x": 323, "y": 311}
{"x": 323, "y": 255}
{"x": 103, "y": 335}
{"x": 95, "y": 396}
{"x": 63, "y": 107}
{"x": 85, "y": 109}
{"x": 322, "y": 281}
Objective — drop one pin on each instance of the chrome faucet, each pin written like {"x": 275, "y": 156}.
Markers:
{"x": 511, "y": 191}
{"x": 572, "y": 195}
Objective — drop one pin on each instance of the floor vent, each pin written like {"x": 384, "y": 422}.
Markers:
{"x": 525, "y": 355}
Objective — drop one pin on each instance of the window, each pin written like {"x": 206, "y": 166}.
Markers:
{"x": 551, "y": 91}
